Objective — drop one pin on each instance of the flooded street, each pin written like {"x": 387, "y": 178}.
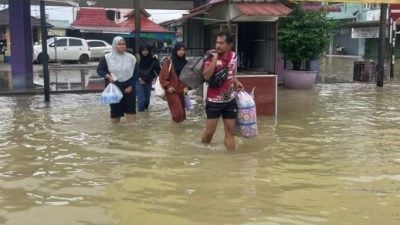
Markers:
{"x": 331, "y": 156}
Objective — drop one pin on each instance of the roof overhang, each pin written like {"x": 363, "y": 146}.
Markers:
{"x": 108, "y": 30}
{"x": 146, "y": 4}
{"x": 374, "y": 23}
{"x": 238, "y": 12}
{"x": 267, "y": 11}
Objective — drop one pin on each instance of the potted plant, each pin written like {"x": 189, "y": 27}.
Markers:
{"x": 303, "y": 36}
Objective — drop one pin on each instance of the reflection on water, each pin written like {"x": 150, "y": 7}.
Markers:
{"x": 332, "y": 158}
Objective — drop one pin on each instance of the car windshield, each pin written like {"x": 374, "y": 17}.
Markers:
{"x": 50, "y": 40}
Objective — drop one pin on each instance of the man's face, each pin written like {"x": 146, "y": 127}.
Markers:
{"x": 221, "y": 46}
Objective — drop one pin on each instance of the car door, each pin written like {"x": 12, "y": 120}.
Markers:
{"x": 61, "y": 49}
{"x": 75, "y": 48}
{"x": 57, "y": 49}
{"x": 97, "y": 48}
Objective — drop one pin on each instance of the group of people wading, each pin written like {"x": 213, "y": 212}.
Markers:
{"x": 134, "y": 78}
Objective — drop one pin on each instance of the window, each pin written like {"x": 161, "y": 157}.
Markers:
{"x": 96, "y": 44}
{"x": 61, "y": 42}
{"x": 371, "y": 6}
{"x": 75, "y": 42}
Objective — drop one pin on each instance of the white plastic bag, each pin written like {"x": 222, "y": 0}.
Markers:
{"x": 188, "y": 103}
{"x": 111, "y": 95}
{"x": 246, "y": 123}
{"x": 158, "y": 89}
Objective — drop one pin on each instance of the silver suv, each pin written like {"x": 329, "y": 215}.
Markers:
{"x": 62, "y": 49}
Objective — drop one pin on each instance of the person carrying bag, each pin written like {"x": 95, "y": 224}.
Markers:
{"x": 118, "y": 68}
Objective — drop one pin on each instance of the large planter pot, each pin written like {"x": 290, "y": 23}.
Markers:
{"x": 296, "y": 79}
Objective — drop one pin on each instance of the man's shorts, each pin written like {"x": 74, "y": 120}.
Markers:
{"x": 228, "y": 110}
{"x": 126, "y": 105}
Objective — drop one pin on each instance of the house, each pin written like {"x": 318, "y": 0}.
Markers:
{"x": 5, "y": 50}
{"x": 105, "y": 24}
{"x": 59, "y": 27}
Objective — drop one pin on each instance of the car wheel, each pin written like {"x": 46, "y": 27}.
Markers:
{"x": 84, "y": 59}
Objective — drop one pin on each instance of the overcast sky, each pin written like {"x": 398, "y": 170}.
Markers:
{"x": 65, "y": 13}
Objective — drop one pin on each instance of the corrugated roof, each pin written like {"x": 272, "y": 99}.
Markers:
{"x": 263, "y": 9}
{"x": 95, "y": 19}
{"x": 5, "y": 21}
{"x": 326, "y": 8}
{"x": 64, "y": 24}
{"x": 146, "y": 25}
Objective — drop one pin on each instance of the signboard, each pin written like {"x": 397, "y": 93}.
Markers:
{"x": 365, "y": 32}
{"x": 394, "y": 12}
{"x": 373, "y": 15}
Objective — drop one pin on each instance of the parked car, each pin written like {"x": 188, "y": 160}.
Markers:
{"x": 98, "y": 48}
{"x": 62, "y": 49}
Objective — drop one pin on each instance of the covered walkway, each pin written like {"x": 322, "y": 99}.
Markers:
{"x": 21, "y": 29}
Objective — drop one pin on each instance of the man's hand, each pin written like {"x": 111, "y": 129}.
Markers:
{"x": 141, "y": 81}
{"x": 239, "y": 85}
{"x": 185, "y": 90}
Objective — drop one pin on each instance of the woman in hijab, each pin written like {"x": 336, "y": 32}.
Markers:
{"x": 169, "y": 79}
{"x": 118, "y": 67}
{"x": 148, "y": 68}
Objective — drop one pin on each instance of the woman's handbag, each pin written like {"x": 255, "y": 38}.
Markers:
{"x": 158, "y": 89}
{"x": 111, "y": 95}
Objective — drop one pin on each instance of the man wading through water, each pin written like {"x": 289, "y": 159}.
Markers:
{"x": 221, "y": 98}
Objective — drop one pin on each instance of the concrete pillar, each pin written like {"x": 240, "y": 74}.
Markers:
{"x": 21, "y": 44}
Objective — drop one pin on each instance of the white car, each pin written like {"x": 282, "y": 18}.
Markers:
{"x": 99, "y": 48}
{"x": 64, "y": 48}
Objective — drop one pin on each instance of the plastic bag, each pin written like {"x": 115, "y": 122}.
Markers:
{"x": 158, "y": 89}
{"x": 188, "y": 103}
{"x": 246, "y": 123}
{"x": 111, "y": 95}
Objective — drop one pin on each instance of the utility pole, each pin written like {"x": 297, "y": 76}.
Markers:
{"x": 137, "y": 12}
{"x": 45, "y": 58}
{"x": 392, "y": 47}
{"x": 381, "y": 52}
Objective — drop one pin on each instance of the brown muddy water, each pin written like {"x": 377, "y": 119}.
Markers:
{"x": 331, "y": 156}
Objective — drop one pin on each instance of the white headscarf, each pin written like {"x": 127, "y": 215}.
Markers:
{"x": 120, "y": 65}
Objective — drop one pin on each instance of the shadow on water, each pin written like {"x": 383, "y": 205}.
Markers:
{"x": 332, "y": 158}
{"x": 63, "y": 78}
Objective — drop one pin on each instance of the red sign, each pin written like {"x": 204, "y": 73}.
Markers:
{"x": 394, "y": 12}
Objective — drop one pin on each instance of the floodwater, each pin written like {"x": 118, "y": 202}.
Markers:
{"x": 331, "y": 156}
